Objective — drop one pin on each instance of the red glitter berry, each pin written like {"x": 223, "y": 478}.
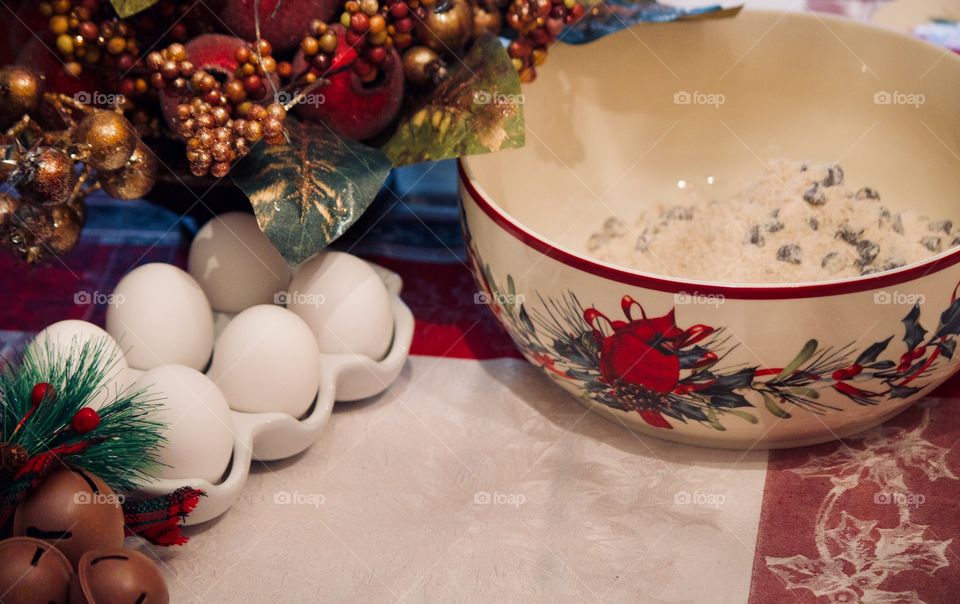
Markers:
{"x": 85, "y": 420}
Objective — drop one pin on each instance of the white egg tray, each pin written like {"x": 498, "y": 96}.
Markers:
{"x": 271, "y": 436}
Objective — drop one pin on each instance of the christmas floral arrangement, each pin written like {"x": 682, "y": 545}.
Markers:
{"x": 72, "y": 454}
{"x": 305, "y": 104}
{"x": 56, "y": 412}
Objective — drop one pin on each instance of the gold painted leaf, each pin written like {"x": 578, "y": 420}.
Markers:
{"x": 128, "y": 8}
{"x": 478, "y": 108}
{"x": 306, "y": 193}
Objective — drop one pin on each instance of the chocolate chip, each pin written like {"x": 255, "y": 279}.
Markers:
{"x": 790, "y": 253}
{"x": 680, "y": 213}
{"x": 814, "y": 223}
{"x": 867, "y": 193}
{"x": 897, "y": 224}
{"x": 941, "y": 225}
{"x": 869, "y": 271}
{"x": 773, "y": 226}
{"x": 868, "y": 252}
{"x": 833, "y": 262}
{"x": 756, "y": 237}
{"x": 614, "y": 226}
{"x": 834, "y": 176}
{"x": 814, "y": 196}
{"x": 643, "y": 242}
{"x": 848, "y": 234}
{"x": 596, "y": 240}
{"x": 893, "y": 263}
{"x": 932, "y": 243}
{"x": 804, "y": 167}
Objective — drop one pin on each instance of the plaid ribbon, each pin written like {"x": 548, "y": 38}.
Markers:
{"x": 158, "y": 520}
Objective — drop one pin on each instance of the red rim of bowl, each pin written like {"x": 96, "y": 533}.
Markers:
{"x": 749, "y": 291}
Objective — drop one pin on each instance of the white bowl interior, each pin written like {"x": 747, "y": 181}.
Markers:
{"x": 605, "y": 137}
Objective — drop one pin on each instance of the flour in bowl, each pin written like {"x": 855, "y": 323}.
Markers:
{"x": 799, "y": 222}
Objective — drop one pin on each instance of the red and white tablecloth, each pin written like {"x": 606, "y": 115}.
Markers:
{"x": 474, "y": 478}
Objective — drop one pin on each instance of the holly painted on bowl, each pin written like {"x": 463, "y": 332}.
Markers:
{"x": 667, "y": 373}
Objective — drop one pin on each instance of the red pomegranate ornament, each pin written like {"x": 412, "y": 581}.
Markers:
{"x": 640, "y": 358}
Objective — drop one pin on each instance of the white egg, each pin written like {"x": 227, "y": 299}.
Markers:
{"x": 267, "y": 359}
{"x": 345, "y": 303}
{"x": 160, "y": 317}
{"x": 198, "y": 428}
{"x": 235, "y": 263}
{"x": 68, "y": 338}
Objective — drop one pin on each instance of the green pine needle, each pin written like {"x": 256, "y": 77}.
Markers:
{"x": 128, "y": 437}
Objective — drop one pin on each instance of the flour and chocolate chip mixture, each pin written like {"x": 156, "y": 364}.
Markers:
{"x": 799, "y": 222}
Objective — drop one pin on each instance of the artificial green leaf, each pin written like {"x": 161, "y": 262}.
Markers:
{"x": 308, "y": 192}
{"x": 128, "y": 8}
{"x": 478, "y": 108}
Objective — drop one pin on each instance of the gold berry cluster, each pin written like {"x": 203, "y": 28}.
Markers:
{"x": 215, "y": 140}
{"x": 85, "y": 33}
{"x": 171, "y": 72}
{"x": 371, "y": 29}
{"x": 537, "y": 23}
{"x": 319, "y": 47}
{"x": 368, "y": 33}
{"x": 255, "y": 67}
{"x": 221, "y": 120}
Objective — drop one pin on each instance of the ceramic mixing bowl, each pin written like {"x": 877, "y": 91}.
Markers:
{"x": 657, "y": 111}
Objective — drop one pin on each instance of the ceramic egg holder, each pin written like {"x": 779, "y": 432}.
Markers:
{"x": 272, "y": 436}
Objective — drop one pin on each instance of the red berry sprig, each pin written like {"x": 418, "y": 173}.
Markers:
{"x": 41, "y": 392}
{"x": 85, "y": 420}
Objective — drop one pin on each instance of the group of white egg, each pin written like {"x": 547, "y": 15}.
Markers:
{"x": 256, "y": 326}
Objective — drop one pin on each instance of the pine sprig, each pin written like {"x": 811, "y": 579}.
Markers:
{"x": 126, "y": 442}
